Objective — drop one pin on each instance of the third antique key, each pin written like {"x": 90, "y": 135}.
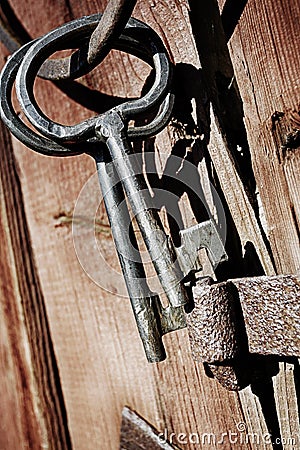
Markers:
{"x": 107, "y": 138}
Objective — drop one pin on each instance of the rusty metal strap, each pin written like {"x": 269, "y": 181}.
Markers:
{"x": 137, "y": 434}
{"x": 259, "y": 315}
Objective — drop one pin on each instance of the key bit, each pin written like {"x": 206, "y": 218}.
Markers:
{"x": 202, "y": 235}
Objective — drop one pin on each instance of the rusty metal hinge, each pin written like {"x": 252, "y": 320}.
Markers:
{"x": 236, "y": 319}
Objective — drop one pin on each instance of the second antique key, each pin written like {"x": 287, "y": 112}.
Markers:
{"x": 107, "y": 138}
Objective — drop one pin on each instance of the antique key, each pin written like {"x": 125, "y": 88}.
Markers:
{"x": 107, "y": 139}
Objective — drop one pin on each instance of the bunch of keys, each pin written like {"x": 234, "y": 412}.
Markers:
{"x": 107, "y": 138}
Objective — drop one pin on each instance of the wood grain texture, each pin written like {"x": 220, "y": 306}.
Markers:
{"x": 240, "y": 207}
{"x": 101, "y": 362}
{"x": 266, "y": 67}
{"x": 32, "y": 412}
{"x": 264, "y": 54}
{"x": 20, "y": 427}
{"x": 100, "y": 358}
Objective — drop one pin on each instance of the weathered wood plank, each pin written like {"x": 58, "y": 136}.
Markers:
{"x": 264, "y": 54}
{"x": 240, "y": 207}
{"x": 100, "y": 358}
{"x": 32, "y": 410}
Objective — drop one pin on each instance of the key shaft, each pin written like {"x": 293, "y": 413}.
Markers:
{"x": 112, "y": 130}
{"x": 143, "y": 301}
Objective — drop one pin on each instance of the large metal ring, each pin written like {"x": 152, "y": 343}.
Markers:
{"x": 60, "y": 140}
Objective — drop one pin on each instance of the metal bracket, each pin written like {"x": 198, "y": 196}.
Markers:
{"x": 136, "y": 434}
{"x": 238, "y": 319}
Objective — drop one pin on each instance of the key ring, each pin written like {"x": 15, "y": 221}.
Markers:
{"x": 58, "y": 140}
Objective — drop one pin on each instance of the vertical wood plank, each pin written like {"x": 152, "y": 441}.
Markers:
{"x": 99, "y": 355}
{"x": 264, "y": 54}
{"x": 32, "y": 410}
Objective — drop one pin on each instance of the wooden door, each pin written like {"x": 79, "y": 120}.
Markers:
{"x": 71, "y": 358}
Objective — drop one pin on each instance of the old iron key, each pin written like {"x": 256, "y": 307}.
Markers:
{"x": 111, "y": 128}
